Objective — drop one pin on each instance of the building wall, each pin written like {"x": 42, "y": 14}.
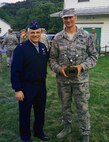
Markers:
{"x": 90, "y": 3}
{"x": 96, "y": 22}
{"x": 92, "y": 21}
{"x": 105, "y": 33}
{"x": 4, "y": 27}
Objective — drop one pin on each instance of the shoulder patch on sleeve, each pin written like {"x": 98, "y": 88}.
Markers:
{"x": 58, "y": 36}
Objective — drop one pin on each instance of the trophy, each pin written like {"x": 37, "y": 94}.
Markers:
{"x": 71, "y": 71}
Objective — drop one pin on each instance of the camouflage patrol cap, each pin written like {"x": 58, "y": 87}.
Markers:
{"x": 68, "y": 12}
{"x": 10, "y": 30}
{"x": 34, "y": 25}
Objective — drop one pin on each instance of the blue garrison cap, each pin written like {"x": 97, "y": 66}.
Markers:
{"x": 34, "y": 25}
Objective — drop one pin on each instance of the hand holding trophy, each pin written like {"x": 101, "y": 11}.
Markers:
{"x": 73, "y": 70}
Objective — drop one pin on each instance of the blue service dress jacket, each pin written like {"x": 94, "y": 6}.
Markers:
{"x": 28, "y": 64}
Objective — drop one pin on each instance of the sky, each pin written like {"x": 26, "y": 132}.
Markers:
{"x": 9, "y": 1}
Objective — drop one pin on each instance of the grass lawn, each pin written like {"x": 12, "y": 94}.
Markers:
{"x": 98, "y": 105}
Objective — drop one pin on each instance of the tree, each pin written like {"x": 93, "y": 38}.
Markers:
{"x": 21, "y": 13}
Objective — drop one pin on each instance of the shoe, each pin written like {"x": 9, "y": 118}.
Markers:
{"x": 67, "y": 130}
{"x": 85, "y": 138}
{"x": 43, "y": 137}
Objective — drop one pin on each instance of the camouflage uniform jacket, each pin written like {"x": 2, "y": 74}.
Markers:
{"x": 10, "y": 41}
{"x": 79, "y": 50}
{"x": 44, "y": 39}
{"x": 94, "y": 37}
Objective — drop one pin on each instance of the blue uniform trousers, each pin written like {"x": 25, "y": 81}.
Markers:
{"x": 35, "y": 95}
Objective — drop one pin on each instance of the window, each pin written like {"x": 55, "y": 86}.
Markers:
{"x": 83, "y": 0}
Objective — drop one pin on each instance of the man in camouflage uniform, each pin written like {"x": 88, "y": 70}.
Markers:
{"x": 94, "y": 37}
{"x": 11, "y": 42}
{"x": 44, "y": 38}
{"x": 23, "y": 35}
{"x": 73, "y": 47}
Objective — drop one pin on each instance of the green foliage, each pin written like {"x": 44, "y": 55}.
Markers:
{"x": 21, "y": 13}
{"x": 98, "y": 105}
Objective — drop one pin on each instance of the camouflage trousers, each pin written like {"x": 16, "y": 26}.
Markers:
{"x": 81, "y": 95}
{"x": 9, "y": 54}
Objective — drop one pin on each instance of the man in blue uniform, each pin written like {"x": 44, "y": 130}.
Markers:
{"x": 28, "y": 78}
